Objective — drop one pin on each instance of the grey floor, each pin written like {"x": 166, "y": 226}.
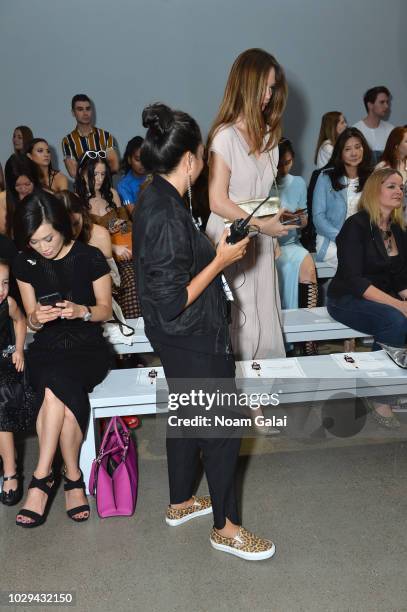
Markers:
{"x": 336, "y": 508}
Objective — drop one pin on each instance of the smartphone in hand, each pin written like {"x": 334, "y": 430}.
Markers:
{"x": 52, "y": 299}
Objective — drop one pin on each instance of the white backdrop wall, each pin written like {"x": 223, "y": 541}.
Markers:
{"x": 127, "y": 53}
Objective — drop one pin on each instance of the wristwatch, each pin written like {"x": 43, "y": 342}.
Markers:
{"x": 88, "y": 315}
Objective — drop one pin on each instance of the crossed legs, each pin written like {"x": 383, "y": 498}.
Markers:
{"x": 55, "y": 424}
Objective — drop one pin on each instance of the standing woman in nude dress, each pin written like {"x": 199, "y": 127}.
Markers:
{"x": 243, "y": 159}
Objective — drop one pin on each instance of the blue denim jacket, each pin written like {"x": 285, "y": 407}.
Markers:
{"x": 328, "y": 211}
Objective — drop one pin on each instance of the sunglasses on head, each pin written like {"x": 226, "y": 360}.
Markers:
{"x": 93, "y": 155}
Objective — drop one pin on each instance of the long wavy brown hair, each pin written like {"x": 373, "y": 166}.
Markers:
{"x": 327, "y": 130}
{"x": 243, "y": 96}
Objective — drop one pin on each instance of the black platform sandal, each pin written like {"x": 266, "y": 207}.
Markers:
{"x": 46, "y": 485}
{"x": 12, "y": 497}
{"x": 76, "y": 484}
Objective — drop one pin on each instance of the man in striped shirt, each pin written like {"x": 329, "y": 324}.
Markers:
{"x": 86, "y": 137}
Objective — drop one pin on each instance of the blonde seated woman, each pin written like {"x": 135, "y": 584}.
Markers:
{"x": 369, "y": 289}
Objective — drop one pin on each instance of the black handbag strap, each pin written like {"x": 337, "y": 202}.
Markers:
{"x": 123, "y": 326}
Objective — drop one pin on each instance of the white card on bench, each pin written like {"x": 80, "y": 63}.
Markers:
{"x": 273, "y": 368}
{"x": 377, "y": 360}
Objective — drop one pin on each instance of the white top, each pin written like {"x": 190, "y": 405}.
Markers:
{"x": 376, "y": 137}
{"x": 250, "y": 177}
{"x": 324, "y": 153}
{"x": 352, "y": 196}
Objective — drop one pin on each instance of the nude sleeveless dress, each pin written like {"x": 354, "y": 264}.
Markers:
{"x": 256, "y": 311}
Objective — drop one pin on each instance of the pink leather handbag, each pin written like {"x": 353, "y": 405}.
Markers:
{"x": 113, "y": 477}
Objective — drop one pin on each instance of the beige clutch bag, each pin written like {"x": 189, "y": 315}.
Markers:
{"x": 270, "y": 207}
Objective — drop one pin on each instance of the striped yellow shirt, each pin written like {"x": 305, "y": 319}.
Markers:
{"x": 74, "y": 145}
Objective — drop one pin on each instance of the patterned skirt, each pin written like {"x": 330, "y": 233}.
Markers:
{"x": 127, "y": 297}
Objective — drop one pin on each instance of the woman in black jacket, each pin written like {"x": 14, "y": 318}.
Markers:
{"x": 185, "y": 313}
{"x": 369, "y": 290}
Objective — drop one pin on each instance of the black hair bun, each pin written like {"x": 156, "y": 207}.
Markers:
{"x": 158, "y": 118}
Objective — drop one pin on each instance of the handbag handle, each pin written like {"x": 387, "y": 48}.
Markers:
{"x": 113, "y": 424}
{"x": 122, "y": 326}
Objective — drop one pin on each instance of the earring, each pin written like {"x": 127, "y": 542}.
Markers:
{"x": 189, "y": 190}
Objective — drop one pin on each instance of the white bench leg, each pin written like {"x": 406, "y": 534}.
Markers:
{"x": 88, "y": 451}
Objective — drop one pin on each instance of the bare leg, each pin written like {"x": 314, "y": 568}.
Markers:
{"x": 7, "y": 453}
{"x": 70, "y": 442}
{"x": 349, "y": 346}
{"x": 307, "y": 270}
{"x": 49, "y": 424}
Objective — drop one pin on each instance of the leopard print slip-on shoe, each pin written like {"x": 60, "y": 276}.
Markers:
{"x": 245, "y": 545}
{"x": 177, "y": 516}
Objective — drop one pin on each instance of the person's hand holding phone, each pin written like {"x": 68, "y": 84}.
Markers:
{"x": 303, "y": 220}
{"x": 71, "y": 310}
{"x": 47, "y": 309}
{"x": 44, "y": 314}
{"x": 273, "y": 226}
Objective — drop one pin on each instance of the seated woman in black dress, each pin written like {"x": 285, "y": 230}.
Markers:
{"x": 184, "y": 310}
{"x": 69, "y": 355}
{"x": 369, "y": 290}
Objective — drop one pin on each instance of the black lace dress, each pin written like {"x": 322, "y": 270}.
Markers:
{"x": 70, "y": 357}
{"x": 17, "y": 399}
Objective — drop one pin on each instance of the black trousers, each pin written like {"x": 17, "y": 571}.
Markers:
{"x": 186, "y": 370}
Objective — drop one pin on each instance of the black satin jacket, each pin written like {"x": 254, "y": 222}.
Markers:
{"x": 168, "y": 251}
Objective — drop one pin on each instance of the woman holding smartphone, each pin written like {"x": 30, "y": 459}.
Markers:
{"x": 66, "y": 291}
{"x": 243, "y": 160}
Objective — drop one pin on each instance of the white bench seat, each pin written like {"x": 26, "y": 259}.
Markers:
{"x": 299, "y": 325}
{"x": 302, "y": 324}
{"x": 324, "y": 270}
{"x": 131, "y": 391}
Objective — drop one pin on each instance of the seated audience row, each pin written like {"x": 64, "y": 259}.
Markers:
{"x": 183, "y": 292}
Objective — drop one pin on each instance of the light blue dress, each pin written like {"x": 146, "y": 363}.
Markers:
{"x": 293, "y": 196}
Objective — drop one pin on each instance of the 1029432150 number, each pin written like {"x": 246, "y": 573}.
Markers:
{"x": 36, "y": 598}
